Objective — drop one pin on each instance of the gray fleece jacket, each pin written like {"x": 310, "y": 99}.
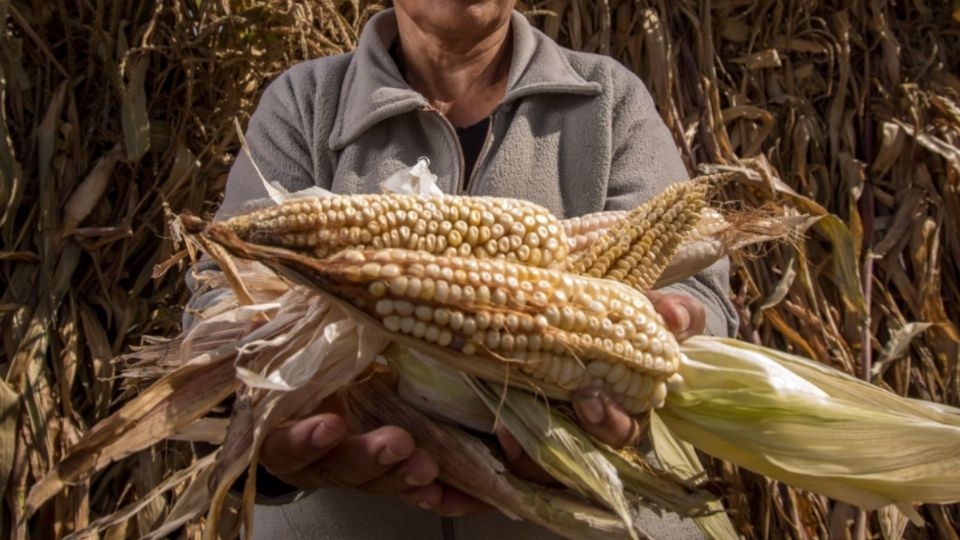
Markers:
{"x": 575, "y": 132}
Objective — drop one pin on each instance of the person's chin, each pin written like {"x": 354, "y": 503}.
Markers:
{"x": 464, "y": 17}
{"x": 471, "y": 15}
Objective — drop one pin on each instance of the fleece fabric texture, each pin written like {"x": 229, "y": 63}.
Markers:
{"x": 353, "y": 515}
{"x": 575, "y": 132}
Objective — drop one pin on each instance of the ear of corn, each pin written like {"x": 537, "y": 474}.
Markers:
{"x": 633, "y": 247}
{"x": 710, "y": 238}
{"x": 481, "y": 227}
{"x": 563, "y": 330}
{"x": 636, "y": 249}
{"x": 583, "y": 231}
{"x": 558, "y": 331}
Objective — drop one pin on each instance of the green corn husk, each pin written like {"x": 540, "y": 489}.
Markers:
{"x": 814, "y": 427}
{"x": 556, "y": 445}
{"x": 437, "y": 390}
{"x": 551, "y": 438}
{"x": 681, "y": 458}
{"x": 469, "y": 465}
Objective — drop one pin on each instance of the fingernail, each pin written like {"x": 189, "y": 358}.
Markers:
{"x": 683, "y": 319}
{"x": 423, "y": 505}
{"x": 592, "y": 409}
{"x": 387, "y": 457}
{"x": 411, "y": 480}
{"x": 323, "y": 436}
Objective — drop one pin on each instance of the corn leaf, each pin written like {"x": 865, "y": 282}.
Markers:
{"x": 814, "y": 427}
{"x": 133, "y": 111}
{"x": 681, "y": 458}
{"x": 559, "y": 446}
{"x": 437, "y": 390}
{"x": 9, "y": 411}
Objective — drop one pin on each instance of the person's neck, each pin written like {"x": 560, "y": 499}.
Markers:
{"x": 464, "y": 79}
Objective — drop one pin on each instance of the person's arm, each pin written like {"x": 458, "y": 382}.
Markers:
{"x": 645, "y": 162}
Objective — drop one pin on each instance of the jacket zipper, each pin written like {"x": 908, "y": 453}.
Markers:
{"x": 456, "y": 142}
{"x": 468, "y": 188}
{"x": 461, "y": 187}
{"x": 446, "y": 529}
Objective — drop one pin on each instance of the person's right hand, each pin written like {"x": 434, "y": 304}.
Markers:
{"x": 320, "y": 451}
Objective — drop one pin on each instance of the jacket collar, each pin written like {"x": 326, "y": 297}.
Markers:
{"x": 373, "y": 88}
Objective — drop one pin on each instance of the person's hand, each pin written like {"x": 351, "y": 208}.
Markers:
{"x": 684, "y": 315}
{"x": 599, "y": 413}
{"x": 320, "y": 451}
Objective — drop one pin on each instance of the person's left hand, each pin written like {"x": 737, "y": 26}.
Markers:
{"x": 597, "y": 412}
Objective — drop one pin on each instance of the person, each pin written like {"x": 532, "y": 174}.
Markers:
{"x": 500, "y": 110}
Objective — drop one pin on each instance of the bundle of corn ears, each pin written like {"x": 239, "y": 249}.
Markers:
{"x": 494, "y": 309}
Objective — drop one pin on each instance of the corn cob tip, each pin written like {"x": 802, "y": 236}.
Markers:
{"x": 637, "y": 248}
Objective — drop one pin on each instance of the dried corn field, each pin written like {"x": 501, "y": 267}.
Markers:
{"x": 114, "y": 111}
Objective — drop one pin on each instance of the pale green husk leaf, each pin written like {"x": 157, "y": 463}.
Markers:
{"x": 814, "y": 427}
{"x": 559, "y": 446}
{"x": 681, "y": 459}
{"x": 437, "y": 390}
